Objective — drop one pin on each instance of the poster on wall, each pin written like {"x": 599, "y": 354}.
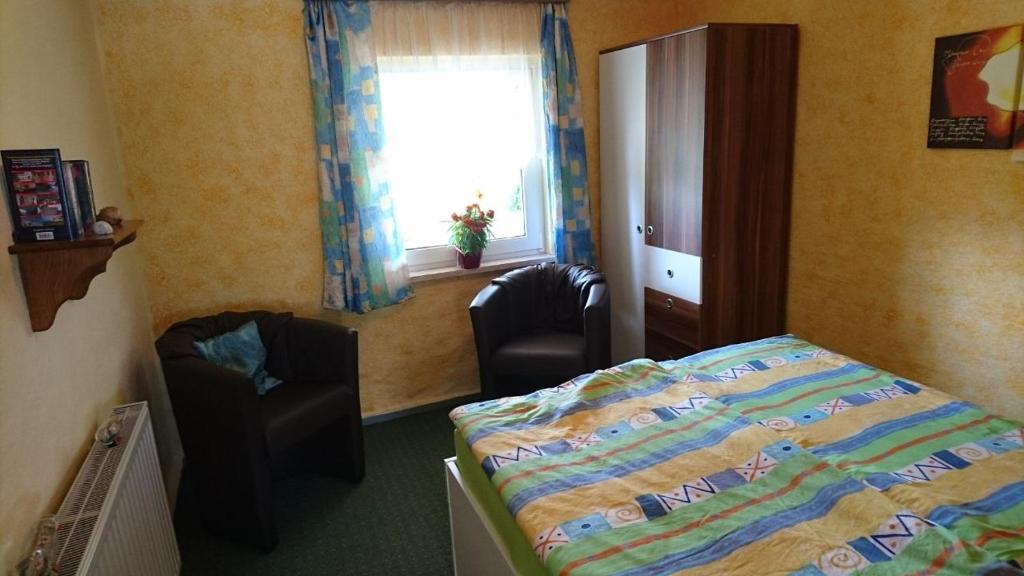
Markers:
{"x": 1018, "y": 131}
{"x": 975, "y": 88}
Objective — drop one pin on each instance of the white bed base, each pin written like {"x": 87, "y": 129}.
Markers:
{"x": 476, "y": 548}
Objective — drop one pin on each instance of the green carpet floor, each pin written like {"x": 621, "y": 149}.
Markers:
{"x": 394, "y": 522}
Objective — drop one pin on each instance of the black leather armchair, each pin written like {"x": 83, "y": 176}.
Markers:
{"x": 233, "y": 438}
{"x": 539, "y": 326}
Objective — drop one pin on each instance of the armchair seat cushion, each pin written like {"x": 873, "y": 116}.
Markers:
{"x": 292, "y": 413}
{"x": 542, "y": 353}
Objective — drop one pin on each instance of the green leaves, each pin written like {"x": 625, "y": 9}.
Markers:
{"x": 471, "y": 231}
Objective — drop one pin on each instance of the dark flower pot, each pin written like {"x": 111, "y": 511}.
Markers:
{"x": 469, "y": 261}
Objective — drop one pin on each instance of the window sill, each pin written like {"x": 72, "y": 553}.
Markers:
{"x": 485, "y": 268}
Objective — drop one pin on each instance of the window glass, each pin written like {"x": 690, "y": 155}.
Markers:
{"x": 463, "y": 134}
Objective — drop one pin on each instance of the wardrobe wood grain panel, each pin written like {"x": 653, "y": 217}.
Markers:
{"x": 751, "y": 87}
{"x": 672, "y": 325}
{"x": 659, "y": 347}
{"x": 718, "y": 130}
{"x": 675, "y": 141}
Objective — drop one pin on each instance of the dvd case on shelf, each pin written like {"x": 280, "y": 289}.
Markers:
{"x": 74, "y": 216}
{"x": 37, "y": 196}
{"x": 83, "y": 190}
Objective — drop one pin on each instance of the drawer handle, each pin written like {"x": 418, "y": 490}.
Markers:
{"x": 639, "y": 229}
{"x": 650, "y": 230}
{"x": 670, "y": 273}
{"x": 668, "y": 303}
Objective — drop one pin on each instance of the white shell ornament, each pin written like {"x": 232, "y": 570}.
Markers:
{"x": 101, "y": 228}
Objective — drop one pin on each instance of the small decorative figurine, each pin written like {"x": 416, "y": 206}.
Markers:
{"x": 107, "y": 433}
{"x": 40, "y": 562}
{"x": 110, "y": 215}
{"x": 102, "y": 228}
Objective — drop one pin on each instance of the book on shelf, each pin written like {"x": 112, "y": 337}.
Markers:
{"x": 82, "y": 181}
{"x": 37, "y": 195}
{"x": 74, "y": 215}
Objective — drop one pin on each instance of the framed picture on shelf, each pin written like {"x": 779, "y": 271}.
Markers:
{"x": 36, "y": 195}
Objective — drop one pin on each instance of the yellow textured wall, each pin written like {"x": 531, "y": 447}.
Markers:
{"x": 907, "y": 258}
{"x": 596, "y": 25}
{"x": 901, "y": 256}
{"x": 213, "y": 107}
{"x": 57, "y": 385}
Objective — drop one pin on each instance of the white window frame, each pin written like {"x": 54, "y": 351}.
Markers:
{"x": 533, "y": 243}
{"x": 536, "y": 241}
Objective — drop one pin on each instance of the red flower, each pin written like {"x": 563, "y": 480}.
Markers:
{"x": 490, "y": 213}
{"x": 455, "y": 216}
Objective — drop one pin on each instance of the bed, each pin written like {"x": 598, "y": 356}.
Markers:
{"x": 770, "y": 457}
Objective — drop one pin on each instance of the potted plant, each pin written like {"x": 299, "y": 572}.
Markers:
{"x": 470, "y": 233}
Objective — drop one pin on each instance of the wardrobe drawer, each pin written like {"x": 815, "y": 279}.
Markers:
{"x": 672, "y": 272}
{"x": 658, "y": 347}
{"x": 671, "y": 325}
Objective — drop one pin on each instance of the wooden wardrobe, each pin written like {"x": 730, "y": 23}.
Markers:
{"x": 696, "y": 166}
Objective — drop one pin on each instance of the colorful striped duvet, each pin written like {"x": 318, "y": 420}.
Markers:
{"x": 774, "y": 457}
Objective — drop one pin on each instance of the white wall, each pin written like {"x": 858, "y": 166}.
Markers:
{"x": 57, "y": 385}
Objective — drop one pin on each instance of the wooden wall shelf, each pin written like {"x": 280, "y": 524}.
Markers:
{"x": 54, "y": 272}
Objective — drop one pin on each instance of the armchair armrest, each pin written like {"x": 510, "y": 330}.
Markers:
{"x": 597, "y": 327}
{"x": 323, "y": 352}
{"x": 488, "y": 312}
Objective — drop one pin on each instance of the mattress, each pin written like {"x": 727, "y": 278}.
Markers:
{"x": 708, "y": 465}
{"x": 474, "y": 481}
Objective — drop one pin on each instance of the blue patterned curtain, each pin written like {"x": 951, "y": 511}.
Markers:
{"x": 364, "y": 256}
{"x": 567, "y": 151}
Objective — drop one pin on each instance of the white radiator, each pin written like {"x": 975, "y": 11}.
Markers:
{"x": 115, "y": 519}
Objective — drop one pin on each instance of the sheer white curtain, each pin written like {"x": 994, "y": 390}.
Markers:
{"x": 448, "y": 29}
{"x": 461, "y": 97}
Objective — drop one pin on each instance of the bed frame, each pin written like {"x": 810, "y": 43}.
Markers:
{"x": 476, "y": 547}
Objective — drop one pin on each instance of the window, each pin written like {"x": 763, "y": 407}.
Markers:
{"x": 463, "y": 132}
